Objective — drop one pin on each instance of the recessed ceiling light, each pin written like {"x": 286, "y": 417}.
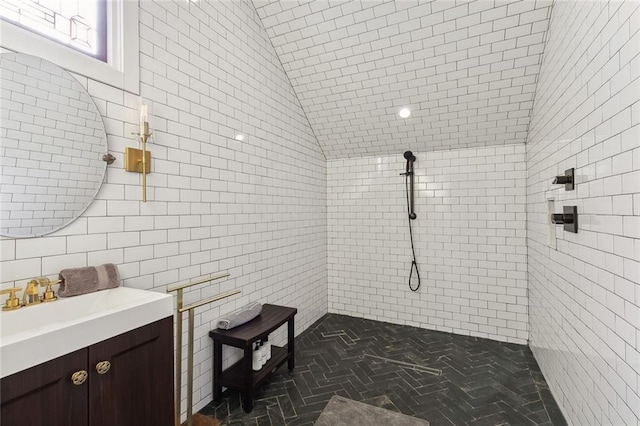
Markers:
{"x": 239, "y": 137}
{"x": 404, "y": 113}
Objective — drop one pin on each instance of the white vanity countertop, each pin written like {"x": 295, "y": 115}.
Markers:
{"x": 32, "y": 335}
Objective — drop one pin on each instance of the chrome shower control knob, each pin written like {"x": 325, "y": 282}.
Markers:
{"x": 557, "y": 218}
{"x": 568, "y": 218}
{"x": 567, "y": 180}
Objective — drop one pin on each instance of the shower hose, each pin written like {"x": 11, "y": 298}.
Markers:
{"x": 414, "y": 264}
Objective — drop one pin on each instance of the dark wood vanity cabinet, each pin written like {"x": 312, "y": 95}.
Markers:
{"x": 138, "y": 388}
{"x": 134, "y": 388}
{"x": 45, "y": 395}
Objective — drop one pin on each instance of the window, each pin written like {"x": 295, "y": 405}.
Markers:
{"x": 94, "y": 38}
{"x": 80, "y": 24}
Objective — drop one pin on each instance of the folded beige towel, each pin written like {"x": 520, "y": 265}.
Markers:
{"x": 76, "y": 281}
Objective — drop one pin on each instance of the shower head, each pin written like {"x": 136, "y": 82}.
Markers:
{"x": 408, "y": 155}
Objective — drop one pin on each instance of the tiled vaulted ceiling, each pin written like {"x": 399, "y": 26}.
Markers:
{"x": 467, "y": 69}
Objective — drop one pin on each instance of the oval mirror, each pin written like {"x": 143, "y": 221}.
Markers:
{"x": 53, "y": 139}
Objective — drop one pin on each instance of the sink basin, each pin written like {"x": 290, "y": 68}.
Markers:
{"x": 36, "y": 334}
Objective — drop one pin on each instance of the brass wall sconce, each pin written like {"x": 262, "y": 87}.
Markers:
{"x": 139, "y": 160}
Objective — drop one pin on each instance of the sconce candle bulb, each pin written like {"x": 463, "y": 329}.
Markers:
{"x": 144, "y": 134}
{"x": 144, "y": 115}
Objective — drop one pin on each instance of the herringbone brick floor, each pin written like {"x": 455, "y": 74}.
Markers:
{"x": 483, "y": 382}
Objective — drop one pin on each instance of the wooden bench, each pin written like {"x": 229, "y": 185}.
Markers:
{"x": 240, "y": 376}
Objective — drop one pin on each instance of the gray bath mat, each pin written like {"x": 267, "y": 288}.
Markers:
{"x": 347, "y": 412}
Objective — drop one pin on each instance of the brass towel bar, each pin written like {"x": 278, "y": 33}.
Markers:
{"x": 209, "y": 300}
{"x": 179, "y": 311}
{"x": 174, "y": 287}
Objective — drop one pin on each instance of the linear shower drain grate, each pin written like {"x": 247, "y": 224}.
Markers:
{"x": 416, "y": 367}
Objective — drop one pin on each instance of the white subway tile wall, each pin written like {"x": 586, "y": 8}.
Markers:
{"x": 467, "y": 69}
{"x": 584, "y": 288}
{"x": 255, "y": 208}
{"x": 469, "y": 237}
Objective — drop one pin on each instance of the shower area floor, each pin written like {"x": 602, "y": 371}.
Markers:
{"x": 482, "y": 382}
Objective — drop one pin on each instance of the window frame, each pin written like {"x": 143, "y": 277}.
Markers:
{"x": 122, "y": 69}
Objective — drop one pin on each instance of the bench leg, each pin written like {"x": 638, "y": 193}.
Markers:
{"x": 291, "y": 344}
{"x": 247, "y": 392}
{"x": 247, "y": 401}
{"x": 217, "y": 370}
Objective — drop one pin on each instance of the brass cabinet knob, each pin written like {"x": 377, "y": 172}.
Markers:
{"x": 103, "y": 366}
{"x": 79, "y": 377}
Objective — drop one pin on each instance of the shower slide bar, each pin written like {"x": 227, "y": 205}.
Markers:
{"x": 408, "y": 155}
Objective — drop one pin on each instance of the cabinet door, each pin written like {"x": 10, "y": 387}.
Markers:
{"x": 138, "y": 387}
{"x": 45, "y": 395}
